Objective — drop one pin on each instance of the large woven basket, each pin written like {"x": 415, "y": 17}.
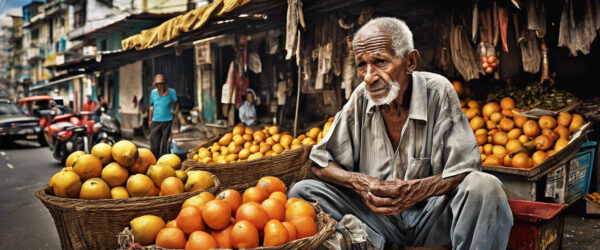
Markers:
{"x": 325, "y": 226}
{"x": 95, "y": 224}
{"x": 290, "y": 166}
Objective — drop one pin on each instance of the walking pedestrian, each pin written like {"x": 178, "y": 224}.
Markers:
{"x": 163, "y": 106}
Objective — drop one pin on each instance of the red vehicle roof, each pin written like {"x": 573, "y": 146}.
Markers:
{"x": 35, "y": 98}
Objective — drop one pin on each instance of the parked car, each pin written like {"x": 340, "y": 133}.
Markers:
{"x": 33, "y": 104}
{"x": 15, "y": 124}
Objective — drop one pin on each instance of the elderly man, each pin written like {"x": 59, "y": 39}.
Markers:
{"x": 401, "y": 157}
{"x": 163, "y": 106}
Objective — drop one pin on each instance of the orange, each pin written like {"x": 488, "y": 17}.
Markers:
{"x": 259, "y": 136}
{"x": 476, "y": 123}
{"x": 508, "y": 112}
{"x": 286, "y": 141}
{"x": 472, "y": 112}
{"x": 490, "y": 108}
{"x": 564, "y": 119}
{"x": 103, "y": 152}
{"x": 244, "y": 235}
{"x": 87, "y": 166}
{"x": 531, "y": 128}
{"x": 291, "y": 230}
{"x": 278, "y": 195}
{"x": 458, "y": 87}
{"x": 248, "y": 131}
{"x": 519, "y": 120}
{"x": 298, "y": 208}
{"x": 507, "y": 161}
{"x": 313, "y": 133}
{"x": 500, "y": 138}
{"x": 145, "y": 228}
{"x": 255, "y": 194}
{"x": 189, "y": 219}
{"x": 523, "y": 138}
{"x": 114, "y": 174}
{"x": 275, "y": 234}
{"x": 550, "y": 133}
{"x": 226, "y": 139}
{"x": 547, "y": 122}
{"x": 244, "y": 153}
{"x": 75, "y": 155}
{"x": 216, "y": 214}
{"x": 118, "y": 193}
{"x": 125, "y": 153}
{"x": 94, "y": 188}
{"x": 271, "y": 184}
{"x": 171, "y": 238}
{"x": 539, "y": 157}
{"x": 560, "y": 144}
{"x": 496, "y": 117}
{"x": 492, "y": 160}
{"x": 196, "y": 201}
{"x": 513, "y": 145}
{"x": 506, "y": 124}
{"x": 264, "y": 148}
{"x": 231, "y": 157}
{"x": 481, "y": 131}
{"x": 247, "y": 137}
{"x": 291, "y": 200}
{"x": 499, "y": 151}
{"x": 200, "y": 240}
{"x": 473, "y": 104}
{"x": 269, "y": 141}
{"x": 563, "y": 132}
{"x": 238, "y": 130}
{"x": 277, "y": 148}
{"x": 481, "y": 139}
{"x": 231, "y": 196}
{"x": 274, "y": 208}
{"x": 489, "y": 124}
{"x": 576, "y": 122}
{"x": 140, "y": 185}
{"x": 206, "y": 195}
{"x": 543, "y": 142}
{"x": 254, "y": 149}
{"x": 171, "y": 185}
{"x": 172, "y": 224}
{"x": 66, "y": 184}
{"x": 550, "y": 152}
{"x": 487, "y": 148}
{"x": 305, "y": 226}
{"x": 223, "y": 237}
{"x": 143, "y": 162}
{"x": 520, "y": 160}
{"x": 253, "y": 213}
{"x": 507, "y": 103}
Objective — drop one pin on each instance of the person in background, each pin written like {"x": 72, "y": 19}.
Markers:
{"x": 90, "y": 105}
{"x": 97, "y": 110}
{"x": 247, "y": 111}
{"x": 163, "y": 106}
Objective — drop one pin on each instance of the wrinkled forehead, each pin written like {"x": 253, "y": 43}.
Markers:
{"x": 372, "y": 40}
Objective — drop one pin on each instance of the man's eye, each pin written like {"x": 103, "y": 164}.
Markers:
{"x": 362, "y": 64}
{"x": 380, "y": 62}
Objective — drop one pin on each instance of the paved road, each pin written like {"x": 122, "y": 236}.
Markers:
{"x": 24, "y": 221}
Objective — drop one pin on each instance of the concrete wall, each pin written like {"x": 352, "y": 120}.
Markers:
{"x": 162, "y": 6}
{"x": 130, "y": 85}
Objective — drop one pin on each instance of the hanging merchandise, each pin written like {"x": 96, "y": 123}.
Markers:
{"x": 325, "y": 52}
{"x": 293, "y": 17}
{"x": 536, "y": 17}
{"x": 485, "y": 48}
{"x": 474, "y": 23}
{"x": 462, "y": 53}
{"x": 254, "y": 63}
{"x": 272, "y": 41}
{"x": 503, "y": 21}
{"x": 530, "y": 51}
{"x": 578, "y": 25}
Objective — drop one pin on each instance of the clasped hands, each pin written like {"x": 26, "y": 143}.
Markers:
{"x": 387, "y": 197}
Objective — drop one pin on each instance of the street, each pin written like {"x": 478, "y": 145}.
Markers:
{"x": 26, "y": 223}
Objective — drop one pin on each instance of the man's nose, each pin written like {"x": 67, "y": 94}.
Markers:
{"x": 371, "y": 75}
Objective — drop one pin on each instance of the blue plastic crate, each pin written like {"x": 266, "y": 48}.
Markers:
{"x": 580, "y": 172}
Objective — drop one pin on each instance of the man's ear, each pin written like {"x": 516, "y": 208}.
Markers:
{"x": 411, "y": 60}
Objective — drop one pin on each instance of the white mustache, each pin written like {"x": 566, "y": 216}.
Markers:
{"x": 389, "y": 97}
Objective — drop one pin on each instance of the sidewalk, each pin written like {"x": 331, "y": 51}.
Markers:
{"x": 140, "y": 142}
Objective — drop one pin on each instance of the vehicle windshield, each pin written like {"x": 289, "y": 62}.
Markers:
{"x": 10, "y": 109}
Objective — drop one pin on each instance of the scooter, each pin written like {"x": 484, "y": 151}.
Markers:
{"x": 67, "y": 139}
{"x": 107, "y": 130}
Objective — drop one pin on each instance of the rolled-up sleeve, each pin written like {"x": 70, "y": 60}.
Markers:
{"x": 336, "y": 145}
{"x": 455, "y": 150}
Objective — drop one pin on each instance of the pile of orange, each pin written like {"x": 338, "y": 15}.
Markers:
{"x": 243, "y": 143}
{"x": 261, "y": 216}
{"x": 499, "y": 132}
{"x": 123, "y": 171}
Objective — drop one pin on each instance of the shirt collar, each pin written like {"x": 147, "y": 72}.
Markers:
{"x": 418, "y": 99}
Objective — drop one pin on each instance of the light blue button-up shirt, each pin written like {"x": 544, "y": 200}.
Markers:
{"x": 247, "y": 110}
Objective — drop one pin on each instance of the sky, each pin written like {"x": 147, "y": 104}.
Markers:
{"x": 9, "y": 4}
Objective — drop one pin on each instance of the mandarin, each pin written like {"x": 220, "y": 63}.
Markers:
{"x": 171, "y": 238}
{"x": 189, "y": 219}
{"x": 244, "y": 235}
{"x": 200, "y": 240}
{"x": 275, "y": 234}
{"x": 223, "y": 237}
{"x": 255, "y": 194}
{"x": 274, "y": 208}
{"x": 216, "y": 214}
{"x": 305, "y": 226}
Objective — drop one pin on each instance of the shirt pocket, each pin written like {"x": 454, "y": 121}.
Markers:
{"x": 418, "y": 168}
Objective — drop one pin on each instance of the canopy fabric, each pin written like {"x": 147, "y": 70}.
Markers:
{"x": 178, "y": 25}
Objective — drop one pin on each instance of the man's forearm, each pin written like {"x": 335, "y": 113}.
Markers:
{"x": 335, "y": 174}
{"x": 435, "y": 185}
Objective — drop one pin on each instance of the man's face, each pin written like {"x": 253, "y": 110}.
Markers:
{"x": 378, "y": 66}
{"x": 160, "y": 87}
{"x": 249, "y": 97}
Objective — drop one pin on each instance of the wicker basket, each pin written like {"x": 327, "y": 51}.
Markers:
{"x": 290, "y": 166}
{"x": 325, "y": 226}
{"x": 95, "y": 224}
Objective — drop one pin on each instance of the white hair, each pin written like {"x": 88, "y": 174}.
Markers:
{"x": 400, "y": 35}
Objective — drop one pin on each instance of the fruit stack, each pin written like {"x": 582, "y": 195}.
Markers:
{"x": 123, "y": 171}
{"x": 261, "y": 216}
{"x": 499, "y": 132}
{"x": 243, "y": 143}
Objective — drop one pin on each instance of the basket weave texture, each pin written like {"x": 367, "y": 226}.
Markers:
{"x": 325, "y": 227}
{"x": 95, "y": 224}
{"x": 290, "y": 166}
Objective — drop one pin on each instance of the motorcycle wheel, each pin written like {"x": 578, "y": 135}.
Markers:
{"x": 42, "y": 139}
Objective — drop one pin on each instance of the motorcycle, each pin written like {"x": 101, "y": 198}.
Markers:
{"x": 107, "y": 130}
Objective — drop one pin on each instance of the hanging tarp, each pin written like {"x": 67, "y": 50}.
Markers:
{"x": 178, "y": 25}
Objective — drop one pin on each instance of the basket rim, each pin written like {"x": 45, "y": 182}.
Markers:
{"x": 285, "y": 153}
{"x": 45, "y": 196}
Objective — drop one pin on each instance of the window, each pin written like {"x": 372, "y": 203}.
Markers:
{"x": 35, "y": 34}
{"x": 79, "y": 15}
{"x": 7, "y": 108}
{"x": 103, "y": 45}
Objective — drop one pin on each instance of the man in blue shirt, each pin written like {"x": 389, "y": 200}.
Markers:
{"x": 163, "y": 106}
{"x": 247, "y": 111}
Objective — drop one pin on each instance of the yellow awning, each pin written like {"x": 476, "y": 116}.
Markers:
{"x": 178, "y": 25}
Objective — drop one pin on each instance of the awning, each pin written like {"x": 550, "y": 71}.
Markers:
{"x": 55, "y": 82}
{"x": 176, "y": 26}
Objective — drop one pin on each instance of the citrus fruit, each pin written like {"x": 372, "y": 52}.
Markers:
{"x": 563, "y": 132}
{"x": 171, "y": 160}
{"x": 189, "y": 219}
{"x": 507, "y": 103}
{"x": 531, "y": 128}
{"x": 216, "y": 214}
{"x": 564, "y": 119}
{"x": 223, "y": 237}
{"x": 66, "y": 184}
{"x": 198, "y": 180}
{"x": 291, "y": 230}
{"x": 140, "y": 185}
{"x": 244, "y": 235}
{"x": 271, "y": 184}
{"x": 278, "y": 195}
{"x": 172, "y": 224}
{"x": 539, "y": 157}
{"x": 560, "y": 144}
{"x": 231, "y": 196}
{"x": 119, "y": 193}
{"x": 253, "y": 213}
{"x": 103, "y": 152}
{"x": 114, "y": 174}
{"x": 274, "y": 208}
{"x": 490, "y": 108}
{"x": 158, "y": 173}
{"x": 255, "y": 194}
{"x": 576, "y": 122}
{"x": 171, "y": 238}
{"x": 547, "y": 122}
{"x": 145, "y": 228}
{"x": 145, "y": 159}
{"x": 226, "y": 139}
{"x": 305, "y": 226}
{"x": 520, "y": 160}
{"x": 95, "y": 188}
{"x": 298, "y": 208}
{"x": 181, "y": 174}
{"x": 195, "y": 201}
{"x": 87, "y": 166}
{"x": 72, "y": 158}
{"x": 543, "y": 142}
{"x": 200, "y": 240}
{"x": 125, "y": 153}
{"x": 275, "y": 234}
{"x": 171, "y": 185}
